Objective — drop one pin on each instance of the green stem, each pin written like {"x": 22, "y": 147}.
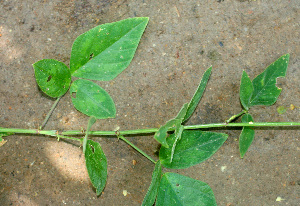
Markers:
{"x": 199, "y": 126}
{"x": 151, "y": 130}
{"x": 49, "y": 113}
{"x": 66, "y": 137}
{"x": 236, "y": 116}
{"x": 135, "y": 147}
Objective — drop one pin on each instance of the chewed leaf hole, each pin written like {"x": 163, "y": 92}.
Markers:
{"x": 91, "y": 55}
{"x": 93, "y": 149}
{"x": 74, "y": 95}
{"x": 49, "y": 78}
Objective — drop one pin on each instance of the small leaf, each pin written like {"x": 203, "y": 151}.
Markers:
{"x": 161, "y": 134}
{"x": 106, "y": 50}
{"x": 195, "y": 146}
{"x": 246, "y": 90}
{"x": 176, "y": 189}
{"x": 52, "y": 76}
{"x": 90, "y": 99}
{"x": 96, "y": 165}
{"x": 150, "y": 197}
{"x": 265, "y": 90}
{"x": 92, "y": 121}
{"x": 247, "y": 135}
{"x": 198, "y": 94}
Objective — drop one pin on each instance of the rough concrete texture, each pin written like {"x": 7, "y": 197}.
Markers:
{"x": 182, "y": 39}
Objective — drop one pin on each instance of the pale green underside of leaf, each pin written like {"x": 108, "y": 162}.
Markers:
{"x": 92, "y": 100}
{"x": 150, "y": 197}
{"x": 194, "y": 147}
{"x": 176, "y": 189}
{"x": 265, "y": 91}
{"x": 96, "y": 165}
{"x": 246, "y": 136}
{"x": 52, "y": 76}
{"x": 106, "y": 50}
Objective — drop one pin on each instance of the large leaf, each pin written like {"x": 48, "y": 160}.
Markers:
{"x": 96, "y": 165}
{"x": 195, "y": 146}
{"x": 106, "y": 50}
{"x": 265, "y": 91}
{"x": 176, "y": 189}
{"x": 198, "y": 94}
{"x": 150, "y": 197}
{"x": 90, "y": 99}
{"x": 247, "y": 135}
{"x": 52, "y": 76}
{"x": 246, "y": 90}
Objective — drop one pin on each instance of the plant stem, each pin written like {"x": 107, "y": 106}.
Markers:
{"x": 236, "y": 116}
{"x": 49, "y": 113}
{"x": 148, "y": 131}
{"x": 66, "y": 137}
{"x": 135, "y": 147}
{"x": 199, "y": 126}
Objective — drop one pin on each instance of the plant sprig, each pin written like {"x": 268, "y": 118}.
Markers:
{"x": 104, "y": 52}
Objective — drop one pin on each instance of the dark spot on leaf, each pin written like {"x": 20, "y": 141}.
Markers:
{"x": 74, "y": 95}
{"x": 177, "y": 185}
{"x": 93, "y": 149}
{"x": 49, "y": 78}
{"x": 91, "y": 55}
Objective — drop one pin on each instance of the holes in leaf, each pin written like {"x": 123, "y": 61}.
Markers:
{"x": 49, "y": 78}
{"x": 91, "y": 55}
{"x": 74, "y": 95}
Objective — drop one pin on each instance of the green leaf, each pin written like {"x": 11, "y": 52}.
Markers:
{"x": 90, "y": 99}
{"x": 265, "y": 90}
{"x": 52, "y": 76}
{"x": 161, "y": 134}
{"x": 246, "y": 90}
{"x": 195, "y": 146}
{"x": 198, "y": 94}
{"x": 181, "y": 114}
{"x": 178, "y": 134}
{"x": 106, "y": 50}
{"x": 92, "y": 121}
{"x": 247, "y": 135}
{"x": 176, "y": 189}
{"x": 96, "y": 165}
{"x": 150, "y": 197}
